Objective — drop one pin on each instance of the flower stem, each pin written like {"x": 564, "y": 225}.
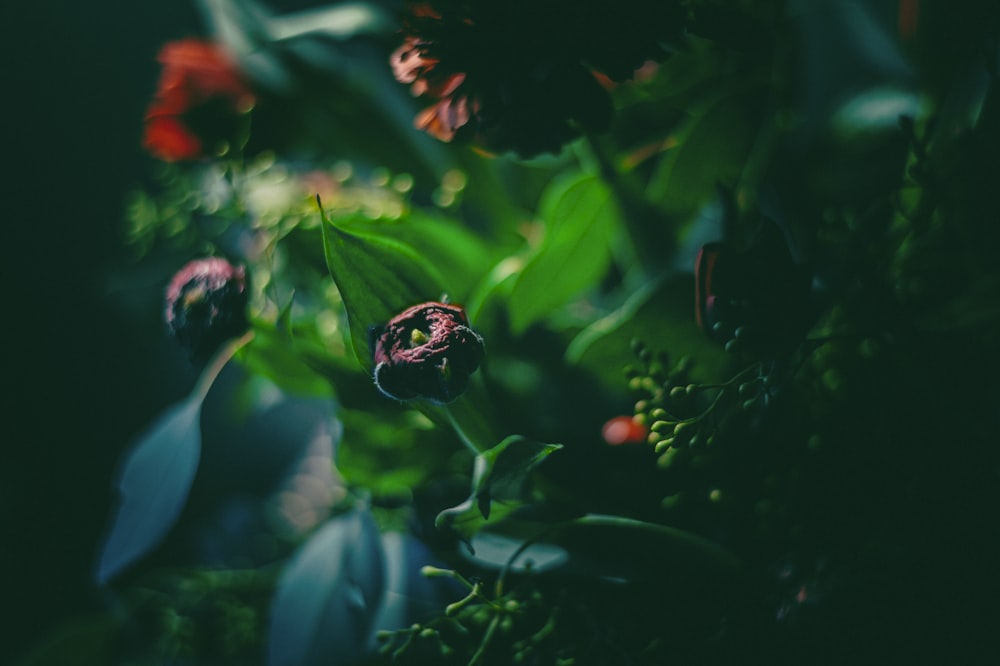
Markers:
{"x": 471, "y": 417}
{"x": 218, "y": 362}
{"x": 461, "y": 430}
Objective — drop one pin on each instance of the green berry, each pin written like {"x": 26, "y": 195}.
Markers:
{"x": 664, "y": 444}
{"x": 662, "y": 426}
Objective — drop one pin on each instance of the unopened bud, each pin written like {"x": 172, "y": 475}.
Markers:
{"x": 662, "y": 426}
{"x": 435, "y": 572}
{"x": 428, "y": 351}
{"x": 206, "y": 303}
{"x": 664, "y": 444}
{"x": 682, "y": 428}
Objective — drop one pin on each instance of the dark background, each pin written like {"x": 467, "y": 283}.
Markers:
{"x": 85, "y": 361}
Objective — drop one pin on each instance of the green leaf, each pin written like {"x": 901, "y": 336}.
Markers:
{"x": 713, "y": 148}
{"x": 604, "y": 546}
{"x": 388, "y": 451}
{"x": 580, "y": 214}
{"x": 662, "y": 312}
{"x": 491, "y": 295}
{"x": 153, "y": 485}
{"x": 442, "y": 242}
{"x": 378, "y": 277}
{"x": 500, "y": 474}
{"x": 277, "y": 353}
{"x": 342, "y": 21}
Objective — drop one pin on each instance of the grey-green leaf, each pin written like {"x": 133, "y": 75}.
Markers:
{"x": 153, "y": 484}
{"x": 328, "y": 595}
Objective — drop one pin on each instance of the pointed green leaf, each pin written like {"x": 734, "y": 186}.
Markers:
{"x": 501, "y": 474}
{"x": 714, "y": 148}
{"x": 580, "y": 214}
{"x": 445, "y": 243}
{"x": 507, "y": 467}
{"x": 378, "y": 277}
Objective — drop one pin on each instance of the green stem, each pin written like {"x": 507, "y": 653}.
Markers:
{"x": 214, "y": 367}
{"x": 490, "y": 630}
{"x": 471, "y": 417}
{"x": 527, "y": 543}
{"x": 461, "y": 431}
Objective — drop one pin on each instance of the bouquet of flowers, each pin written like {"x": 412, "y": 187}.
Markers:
{"x": 567, "y": 333}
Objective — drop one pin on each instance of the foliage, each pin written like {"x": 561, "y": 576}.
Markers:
{"x": 815, "y": 388}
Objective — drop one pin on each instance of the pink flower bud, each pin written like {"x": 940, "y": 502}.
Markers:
{"x": 206, "y": 305}
{"x": 428, "y": 351}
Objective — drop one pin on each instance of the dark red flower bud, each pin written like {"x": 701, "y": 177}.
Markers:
{"x": 206, "y": 305}
{"x": 705, "y": 295}
{"x": 758, "y": 294}
{"x": 428, "y": 351}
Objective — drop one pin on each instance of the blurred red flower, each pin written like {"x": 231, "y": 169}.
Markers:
{"x": 624, "y": 430}
{"x": 525, "y": 76}
{"x": 200, "y": 95}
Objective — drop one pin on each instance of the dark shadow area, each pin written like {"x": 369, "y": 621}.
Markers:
{"x": 85, "y": 362}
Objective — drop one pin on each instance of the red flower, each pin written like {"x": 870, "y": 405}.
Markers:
{"x": 519, "y": 75}
{"x": 199, "y": 96}
{"x": 624, "y": 430}
{"x": 428, "y": 351}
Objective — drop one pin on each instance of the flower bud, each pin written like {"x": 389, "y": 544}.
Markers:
{"x": 663, "y": 445}
{"x": 428, "y": 351}
{"x": 206, "y": 304}
{"x": 662, "y": 426}
{"x": 757, "y": 294}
